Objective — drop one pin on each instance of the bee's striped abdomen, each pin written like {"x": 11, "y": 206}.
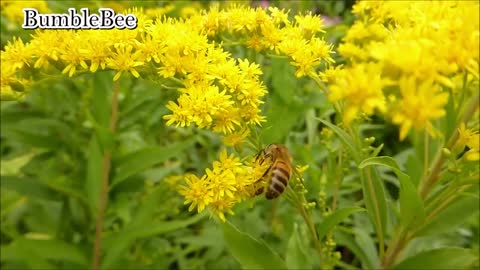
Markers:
{"x": 279, "y": 179}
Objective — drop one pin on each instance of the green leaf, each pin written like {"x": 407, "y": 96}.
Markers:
{"x": 368, "y": 262}
{"x": 27, "y": 187}
{"x": 281, "y": 98}
{"x": 375, "y": 202}
{"x": 411, "y": 205}
{"x": 94, "y": 174}
{"x": 377, "y": 150}
{"x": 15, "y": 116}
{"x": 275, "y": 133}
{"x": 413, "y": 167}
{"x": 367, "y": 243}
{"x": 284, "y": 82}
{"x": 249, "y": 252}
{"x": 105, "y": 137}
{"x": 335, "y": 218}
{"x": 443, "y": 258}
{"x": 157, "y": 228}
{"x": 297, "y": 257}
{"x": 451, "y": 217}
{"x": 34, "y": 139}
{"x": 57, "y": 250}
{"x": 343, "y": 136}
{"x": 116, "y": 244}
{"x": 140, "y": 160}
{"x": 101, "y": 101}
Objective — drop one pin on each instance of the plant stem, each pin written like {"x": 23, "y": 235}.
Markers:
{"x": 311, "y": 227}
{"x": 106, "y": 164}
{"x": 395, "y": 249}
{"x": 299, "y": 201}
{"x": 429, "y": 181}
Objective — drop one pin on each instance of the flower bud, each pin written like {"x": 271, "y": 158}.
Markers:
{"x": 369, "y": 140}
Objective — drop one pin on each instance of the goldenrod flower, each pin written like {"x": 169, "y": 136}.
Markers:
{"x": 221, "y": 182}
{"x": 470, "y": 138}
{"x": 219, "y": 92}
{"x": 204, "y": 107}
{"x": 143, "y": 20}
{"x": 418, "y": 46}
{"x": 227, "y": 162}
{"x": 473, "y": 154}
{"x": 420, "y": 104}
{"x": 95, "y": 51}
{"x": 227, "y": 183}
{"x": 361, "y": 90}
{"x": 279, "y": 16}
{"x": 124, "y": 60}
{"x": 16, "y": 53}
{"x": 220, "y": 207}
{"x": 72, "y": 53}
{"x": 353, "y": 52}
{"x": 310, "y": 24}
{"x": 227, "y": 122}
{"x": 196, "y": 193}
{"x": 249, "y": 69}
{"x": 330, "y": 74}
{"x": 46, "y": 46}
{"x": 236, "y": 138}
{"x": 272, "y": 30}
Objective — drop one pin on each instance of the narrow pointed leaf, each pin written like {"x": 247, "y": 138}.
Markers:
{"x": 443, "y": 258}
{"x": 249, "y": 252}
{"x": 375, "y": 202}
{"x": 45, "y": 250}
{"x": 411, "y": 205}
{"x": 117, "y": 244}
{"x": 94, "y": 173}
{"x": 138, "y": 161}
{"x": 297, "y": 257}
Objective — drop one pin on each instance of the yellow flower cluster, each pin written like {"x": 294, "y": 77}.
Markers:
{"x": 471, "y": 139}
{"x": 362, "y": 81}
{"x": 229, "y": 182}
{"x": 270, "y": 30}
{"x": 218, "y": 93}
{"x": 404, "y": 57}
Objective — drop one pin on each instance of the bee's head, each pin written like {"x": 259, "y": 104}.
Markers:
{"x": 275, "y": 148}
{"x": 278, "y": 150}
{"x": 272, "y": 147}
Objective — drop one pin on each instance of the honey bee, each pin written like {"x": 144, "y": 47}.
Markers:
{"x": 279, "y": 171}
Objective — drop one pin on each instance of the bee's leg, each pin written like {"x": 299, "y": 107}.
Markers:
{"x": 257, "y": 183}
{"x": 264, "y": 174}
{"x": 265, "y": 157}
{"x": 260, "y": 153}
{"x": 259, "y": 191}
